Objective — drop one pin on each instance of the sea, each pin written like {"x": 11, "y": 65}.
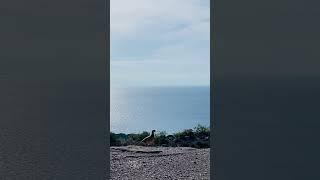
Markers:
{"x": 169, "y": 109}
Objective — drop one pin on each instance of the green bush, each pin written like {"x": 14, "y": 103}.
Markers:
{"x": 197, "y": 137}
{"x": 202, "y": 131}
{"x": 161, "y": 139}
{"x": 185, "y": 134}
{"x": 114, "y": 140}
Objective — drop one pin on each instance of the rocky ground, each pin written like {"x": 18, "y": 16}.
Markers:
{"x": 142, "y": 163}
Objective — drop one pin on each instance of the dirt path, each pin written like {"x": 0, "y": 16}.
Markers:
{"x": 140, "y": 163}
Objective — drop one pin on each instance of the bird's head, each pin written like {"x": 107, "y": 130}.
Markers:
{"x": 153, "y": 131}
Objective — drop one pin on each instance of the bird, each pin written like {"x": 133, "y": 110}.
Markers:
{"x": 149, "y": 140}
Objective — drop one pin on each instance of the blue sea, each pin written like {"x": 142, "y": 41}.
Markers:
{"x": 169, "y": 109}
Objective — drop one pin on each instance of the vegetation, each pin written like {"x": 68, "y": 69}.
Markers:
{"x": 198, "y": 137}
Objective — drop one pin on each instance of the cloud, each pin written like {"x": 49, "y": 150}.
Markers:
{"x": 158, "y": 73}
{"x": 131, "y": 18}
{"x": 160, "y": 42}
{"x": 184, "y": 52}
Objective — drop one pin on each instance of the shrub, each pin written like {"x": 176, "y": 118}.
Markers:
{"x": 161, "y": 139}
{"x": 197, "y": 137}
{"x": 114, "y": 140}
{"x": 202, "y": 131}
{"x": 185, "y": 134}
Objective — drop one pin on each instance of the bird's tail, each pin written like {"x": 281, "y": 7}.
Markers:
{"x": 139, "y": 143}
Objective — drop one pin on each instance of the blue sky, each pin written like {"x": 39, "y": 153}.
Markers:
{"x": 160, "y": 42}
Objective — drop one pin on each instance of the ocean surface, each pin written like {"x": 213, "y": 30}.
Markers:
{"x": 169, "y": 109}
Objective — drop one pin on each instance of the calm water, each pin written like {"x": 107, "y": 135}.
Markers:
{"x": 167, "y": 109}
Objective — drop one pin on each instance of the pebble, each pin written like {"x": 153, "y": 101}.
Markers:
{"x": 157, "y": 166}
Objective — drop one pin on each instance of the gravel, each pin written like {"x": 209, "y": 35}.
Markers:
{"x": 140, "y": 163}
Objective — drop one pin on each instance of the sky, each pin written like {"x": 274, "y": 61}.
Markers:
{"x": 160, "y": 43}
